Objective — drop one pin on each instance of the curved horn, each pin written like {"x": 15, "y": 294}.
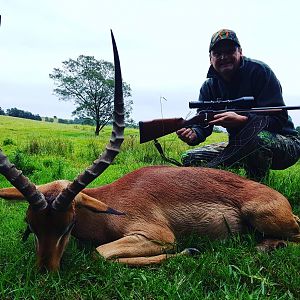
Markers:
{"x": 35, "y": 198}
{"x": 64, "y": 199}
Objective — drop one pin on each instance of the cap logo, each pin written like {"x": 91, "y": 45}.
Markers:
{"x": 223, "y": 34}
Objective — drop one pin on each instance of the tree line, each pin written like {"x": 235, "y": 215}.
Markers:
{"x": 15, "y": 112}
{"x": 19, "y": 113}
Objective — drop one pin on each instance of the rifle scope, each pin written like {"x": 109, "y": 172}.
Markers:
{"x": 243, "y": 102}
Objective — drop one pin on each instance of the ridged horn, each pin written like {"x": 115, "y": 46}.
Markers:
{"x": 35, "y": 198}
{"x": 64, "y": 199}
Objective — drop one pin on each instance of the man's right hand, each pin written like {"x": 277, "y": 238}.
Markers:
{"x": 187, "y": 135}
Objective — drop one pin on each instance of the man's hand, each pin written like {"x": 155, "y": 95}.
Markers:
{"x": 187, "y": 135}
{"x": 228, "y": 120}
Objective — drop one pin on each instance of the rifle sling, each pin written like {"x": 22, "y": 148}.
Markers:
{"x": 161, "y": 152}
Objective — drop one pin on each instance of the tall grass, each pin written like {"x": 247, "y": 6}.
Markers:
{"x": 230, "y": 269}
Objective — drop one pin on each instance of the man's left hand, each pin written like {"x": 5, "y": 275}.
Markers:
{"x": 228, "y": 120}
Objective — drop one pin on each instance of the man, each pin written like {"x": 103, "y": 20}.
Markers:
{"x": 257, "y": 141}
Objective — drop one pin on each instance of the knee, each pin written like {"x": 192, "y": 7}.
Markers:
{"x": 187, "y": 159}
{"x": 191, "y": 159}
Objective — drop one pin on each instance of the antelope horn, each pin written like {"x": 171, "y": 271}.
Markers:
{"x": 35, "y": 198}
{"x": 66, "y": 196}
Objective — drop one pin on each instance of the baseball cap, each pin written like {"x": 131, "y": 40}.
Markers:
{"x": 223, "y": 34}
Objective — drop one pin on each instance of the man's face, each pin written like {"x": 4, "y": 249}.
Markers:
{"x": 225, "y": 57}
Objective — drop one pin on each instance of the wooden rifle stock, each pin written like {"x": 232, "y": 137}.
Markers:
{"x": 150, "y": 130}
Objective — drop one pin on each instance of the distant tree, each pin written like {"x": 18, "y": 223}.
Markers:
{"x": 15, "y": 112}
{"x": 64, "y": 121}
{"x": 84, "y": 121}
{"x": 298, "y": 128}
{"x": 90, "y": 84}
{"x": 2, "y": 112}
{"x": 131, "y": 123}
{"x": 47, "y": 119}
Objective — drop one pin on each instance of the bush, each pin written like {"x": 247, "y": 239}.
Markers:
{"x": 23, "y": 163}
{"x": 49, "y": 146}
{"x": 7, "y": 142}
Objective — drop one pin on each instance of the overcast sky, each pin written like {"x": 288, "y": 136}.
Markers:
{"x": 163, "y": 47}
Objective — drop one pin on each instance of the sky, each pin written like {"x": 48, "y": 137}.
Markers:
{"x": 163, "y": 48}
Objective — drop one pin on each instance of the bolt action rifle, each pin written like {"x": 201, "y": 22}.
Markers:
{"x": 151, "y": 130}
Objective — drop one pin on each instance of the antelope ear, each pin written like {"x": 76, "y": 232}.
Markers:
{"x": 11, "y": 193}
{"x": 95, "y": 205}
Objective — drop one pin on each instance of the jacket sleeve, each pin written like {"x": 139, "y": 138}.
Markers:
{"x": 268, "y": 92}
{"x": 202, "y": 132}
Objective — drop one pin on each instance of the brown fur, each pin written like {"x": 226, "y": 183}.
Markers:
{"x": 162, "y": 204}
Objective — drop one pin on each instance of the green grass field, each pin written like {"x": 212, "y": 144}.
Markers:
{"x": 230, "y": 269}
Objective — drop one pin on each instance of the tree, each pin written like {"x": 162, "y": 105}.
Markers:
{"x": 2, "y": 111}
{"x": 298, "y": 128}
{"x": 90, "y": 84}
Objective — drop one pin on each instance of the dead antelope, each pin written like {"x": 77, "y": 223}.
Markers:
{"x": 148, "y": 209}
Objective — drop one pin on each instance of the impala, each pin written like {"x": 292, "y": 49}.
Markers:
{"x": 137, "y": 219}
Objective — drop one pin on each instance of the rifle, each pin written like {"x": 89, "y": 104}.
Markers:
{"x": 151, "y": 130}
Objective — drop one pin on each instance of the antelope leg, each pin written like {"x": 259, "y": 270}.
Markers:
{"x": 136, "y": 250}
{"x": 156, "y": 259}
{"x": 144, "y": 261}
{"x": 11, "y": 193}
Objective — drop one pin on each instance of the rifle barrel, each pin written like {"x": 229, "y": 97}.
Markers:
{"x": 256, "y": 109}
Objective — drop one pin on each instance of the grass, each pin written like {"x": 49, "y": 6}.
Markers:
{"x": 230, "y": 269}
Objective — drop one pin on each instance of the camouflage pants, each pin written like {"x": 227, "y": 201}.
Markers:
{"x": 274, "y": 151}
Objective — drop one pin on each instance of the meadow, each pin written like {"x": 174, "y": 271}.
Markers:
{"x": 230, "y": 269}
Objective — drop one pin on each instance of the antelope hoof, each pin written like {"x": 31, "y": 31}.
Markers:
{"x": 190, "y": 252}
